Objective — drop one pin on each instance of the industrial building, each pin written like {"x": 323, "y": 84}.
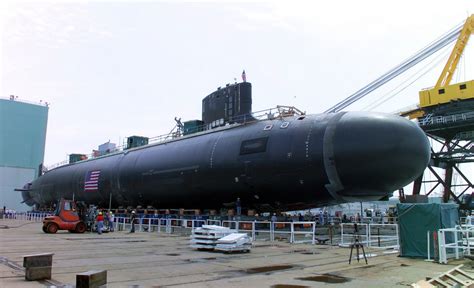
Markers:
{"x": 23, "y": 130}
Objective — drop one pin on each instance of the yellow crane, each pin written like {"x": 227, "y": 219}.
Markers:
{"x": 443, "y": 92}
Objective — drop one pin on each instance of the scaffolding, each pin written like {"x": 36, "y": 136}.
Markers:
{"x": 454, "y": 134}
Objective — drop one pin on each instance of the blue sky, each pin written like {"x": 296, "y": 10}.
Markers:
{"x": 111, "y": 69}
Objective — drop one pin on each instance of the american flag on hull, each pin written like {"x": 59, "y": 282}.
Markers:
{"x": 91, "y": 182}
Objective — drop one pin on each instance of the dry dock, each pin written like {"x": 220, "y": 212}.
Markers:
{"x": 165, "y": 260}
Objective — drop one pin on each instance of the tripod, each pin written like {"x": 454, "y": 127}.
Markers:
{"x": 356, "y": 244}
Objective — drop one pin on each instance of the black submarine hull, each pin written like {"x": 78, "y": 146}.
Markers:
{"x": 287, "y": 163}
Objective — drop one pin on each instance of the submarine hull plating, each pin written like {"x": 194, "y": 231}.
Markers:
{"x": 288, "y": 163}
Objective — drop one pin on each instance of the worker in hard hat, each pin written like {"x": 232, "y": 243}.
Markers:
{"x": 111, "y": 218}
{"x": 133, "y": 217}
{"x": 100, "y": 222}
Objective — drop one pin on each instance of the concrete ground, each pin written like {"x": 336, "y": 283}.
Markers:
{"x": 164, "y": 260}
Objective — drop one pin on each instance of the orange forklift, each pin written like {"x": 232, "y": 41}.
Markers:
{"x": 67, "y": 216}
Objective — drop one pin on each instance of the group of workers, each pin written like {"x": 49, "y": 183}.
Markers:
{"x": 109, "y": 219}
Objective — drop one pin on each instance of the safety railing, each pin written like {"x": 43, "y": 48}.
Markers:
{"x": 247, "y": 227}
{"x": 303, "y": 232}
{"x": 281, "y": 231}
{"x": 263, "y": 231}
{"x": 349, "y": 233}
{"x": 260, "y": 230}
{"x": 455, "y": 242}
{"x": 372, "y": 235}
{"x": 26, "y": 216}
{"x": 166, "y": 225}
{"x": 383, "y": 236}
{"x": 434, "y": 120}
{"x": 293, "y": 232}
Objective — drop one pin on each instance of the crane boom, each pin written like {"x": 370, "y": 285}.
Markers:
{"x": 450, "y": 67}
{"x": 399, "y": 69}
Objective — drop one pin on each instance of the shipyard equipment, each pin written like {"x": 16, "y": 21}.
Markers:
{"x": 67, "y": 216}
{"x": 446, "y": 98}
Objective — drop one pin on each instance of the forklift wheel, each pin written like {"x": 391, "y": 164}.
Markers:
{"x": 52, "y": 228}
{"x": 80, "y": 227}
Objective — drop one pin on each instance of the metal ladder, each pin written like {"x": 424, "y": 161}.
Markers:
{"x": 455, "y": 277}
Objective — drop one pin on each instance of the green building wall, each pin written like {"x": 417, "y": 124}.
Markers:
{"x": 22, "y": 144}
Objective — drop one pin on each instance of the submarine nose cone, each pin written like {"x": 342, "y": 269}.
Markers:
{"x": 379, "y": 152}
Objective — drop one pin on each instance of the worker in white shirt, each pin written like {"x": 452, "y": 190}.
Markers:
{"x": 469, "y": 219}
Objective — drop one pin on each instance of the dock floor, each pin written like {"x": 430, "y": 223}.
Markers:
{"x": 166, "y": 260}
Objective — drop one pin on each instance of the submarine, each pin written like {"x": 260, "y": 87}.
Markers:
{"x": 280, "y": 159}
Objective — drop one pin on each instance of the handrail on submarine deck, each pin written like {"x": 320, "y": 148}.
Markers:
{"x": 279, "y": 112}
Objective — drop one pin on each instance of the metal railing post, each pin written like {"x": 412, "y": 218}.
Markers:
{"x": 428, "y": 244}
{"x": 272, "y": 231}
{"x": 369, "y": 235}
{"x": 342, "y": 234}
{"x": 456, "y": 250}
{"x": 398, "y": 237}
{"x": 168, "y": 226}
{"x": 441, "y": 247}
{"x": 292, "y": 232}
{"x": 468, "y": 238}
{"x": 253, "y": 231}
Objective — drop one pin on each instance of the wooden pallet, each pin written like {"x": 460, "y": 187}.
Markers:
{"x": 454, "y": 277}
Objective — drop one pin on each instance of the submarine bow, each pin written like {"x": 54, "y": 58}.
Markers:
{"x": 369, "y": 155}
